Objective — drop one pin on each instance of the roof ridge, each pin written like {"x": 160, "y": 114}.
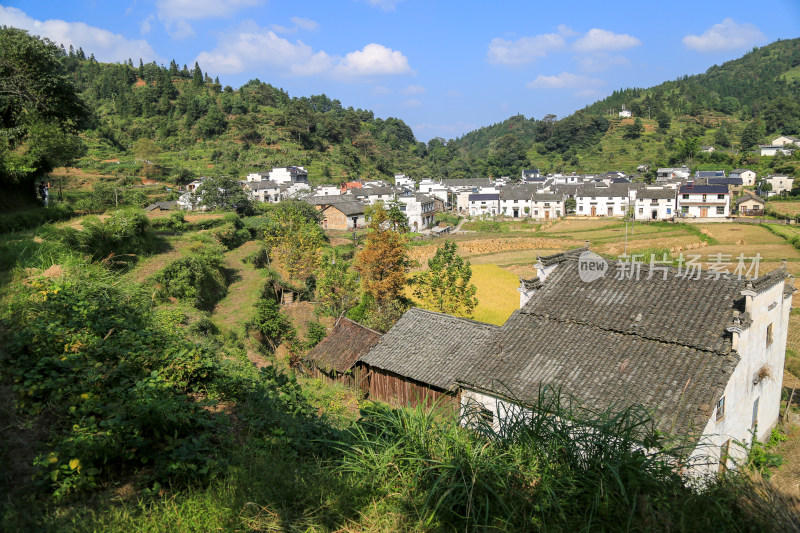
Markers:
{"x": 461, "y": 318}
{"x": 343, "y": 317}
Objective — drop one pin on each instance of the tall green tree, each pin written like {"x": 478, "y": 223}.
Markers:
{"x": 446, "y": 287}
{"x": 40, "y": 110}
{"x": 337, "y": 284}
{"x": 224, "y": 192}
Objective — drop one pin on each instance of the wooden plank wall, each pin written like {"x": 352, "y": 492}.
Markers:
{"x": 399, "y": 391}
{"x": 357, "y": 378}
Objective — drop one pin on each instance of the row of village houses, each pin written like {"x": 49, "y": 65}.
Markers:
{"x": 675, "y": 193}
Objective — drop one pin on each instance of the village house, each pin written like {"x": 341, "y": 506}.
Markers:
{"x": 419, "y": 360}
{"x": 704, "y": 201}
{"x": 749, "y": 205}
{"x": 625, "y": 113}
{"x": 770, "y": 150}
{"x": 748, "y": 176}
{"x": 654, "y": 204}
{"x": 515, "y": 201}
{"x": 666, "y": 174}
{"x": 401, "y": 180}
{"x": 709, "y": 174}
{"x": 266, "y": 191}
{"x": 342, "y": 215}
{"x": 734, "y": 184}
{"x": 419, "y": 209}
{"x": 702, "y": 353}
{"x": 547, "y": 206}
{"x": 334, "y": 359}
{"x": 781, "y": 184}
{"x": 596, "y": 200}
{"x": 373, "y": 195}
{"x": 706, "y": 149}
{"x": 784, "y": 140}
{"x": 327, "y": 190}
{"x": 530, "y": 173}
{"x": 258, "y": 176}
{"x": 484, "y": 204}
{"x": 288, "y": 175}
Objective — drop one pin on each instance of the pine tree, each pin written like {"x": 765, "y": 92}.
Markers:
{"x": 197, "y": 76}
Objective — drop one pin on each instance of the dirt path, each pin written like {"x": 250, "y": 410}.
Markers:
{"x": 237, "y": 306}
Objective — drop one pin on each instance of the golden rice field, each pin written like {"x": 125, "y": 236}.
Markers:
{"x": 497, "y": 293}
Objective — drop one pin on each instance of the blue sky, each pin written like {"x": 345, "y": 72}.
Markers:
{"x": 443, "y": 67}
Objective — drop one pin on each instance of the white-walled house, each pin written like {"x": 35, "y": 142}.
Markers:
{"x": 769, "y": 150}
{"x": 258, "y": 176}
{"x": 704, "y": 201}
{"x": 420, "y": 210}
{"x": 515, "y": 201}
{"x": 667, "y": 174}
{"x": 654, "y": 204}
{"x": 327, "y": 190}
{"x": 547, "y": 206}
{"x": 711, "y": 383}
{"x": 780, "y": 184}
{"x": 267, "y": 191}
{"x": 401, "y": 180}
{"x": 748, "y": 176}
{"x": 783, "y": 140}
{"x": 483, "y": 204}
{"x": 597, "y": 201}
{"x": 625, "y": 113}
{"x": 288, "y": 175}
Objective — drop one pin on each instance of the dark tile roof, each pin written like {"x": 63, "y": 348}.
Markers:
{"x": 656, "y": 194}
{"x": 725, "y": 181}
{"x": 164, "y": 206}
{"x": 616, "y": 190}
{"x": 617, "y": 342}
{"x": 431, "y": 348}
{"x": 484, "y": 197}
{"x": 340, "y": 350}
{"x": 603, "y": 369}
{"x": 747, "y": 197}
{"x": 264, "y": 184}
{"x": 517, "y": 192}
{"x": 349, "y": 208}
{"x": 545, "y": 197}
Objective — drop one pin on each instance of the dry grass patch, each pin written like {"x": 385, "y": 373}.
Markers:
{"x": 739, "y": 234}
{"x": 786, "y": 208}
{"x": 578, "y": 224}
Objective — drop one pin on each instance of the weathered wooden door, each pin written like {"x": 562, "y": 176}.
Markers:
{"x": 703, "y": 212}
{"x": 594, "y": 211}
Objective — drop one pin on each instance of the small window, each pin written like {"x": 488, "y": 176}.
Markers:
{"x": 685, "y": 196}
{"x": 721, "y": 408}
{"x": 685, "y": 209}
{"x": 486, "y": 415}
{"x": 641, "y": 210}
{"x": 769, "y": 334}
{"x": 720, "y": 210}
{"x": 705, "y": 197}
{"x": 720, "y": 197}
{"x": 669, "y": 210}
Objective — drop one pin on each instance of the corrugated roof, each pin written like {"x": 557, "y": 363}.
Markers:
{"x": 431, "y": 348}
{"x": 340, "y": 350}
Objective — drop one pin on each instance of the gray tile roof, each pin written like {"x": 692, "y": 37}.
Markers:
{"x": 617, "y": 342}
{"x": 340, "y": 350}
{"x": 517, "y": 192}
{"x": 489, "y": 197}
{"x": 431, "y": 348}
{"x": 545, "y": 197}
{"x": 348, "y": 208}
{"x": 748, "y": 197}
{"x": 467, "y": 182}
{"x": 656, "y": 194}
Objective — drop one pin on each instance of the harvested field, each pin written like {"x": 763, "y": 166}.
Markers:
{"x": 470, "y": 248}
{"x": 785, "y": 208}
{"x": 571, "y": 225}
{"x": 739, "y": 233}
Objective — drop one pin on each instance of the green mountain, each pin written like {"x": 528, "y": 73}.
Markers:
{"x": 174, "y": 124}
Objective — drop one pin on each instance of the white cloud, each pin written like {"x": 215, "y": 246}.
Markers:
{"x": 146, "y": 25}
{"x": 566, "y": 31}
{"x": 380, "y": 90}
{"x": 414, "y": 89}
{"x": 412, "y": 102}
{"x": 373, "y": 59}
{"x": 600, "y": 61}
{"x": 175, "y": 14}
{"x": 251, "y": 48}
{"x": 201, "y": 9}
{"x": 598, "y": 40}
{"x": 105, "y": 46}
{"x": 523, "y": 50}
{"x": 386, "y": 5}
{"x": 299, "y": 24}
{"x": 726, "y": 35}
{"x": 565, "y": 80}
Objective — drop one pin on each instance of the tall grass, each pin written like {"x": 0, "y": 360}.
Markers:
{"x": 551, "y": 468}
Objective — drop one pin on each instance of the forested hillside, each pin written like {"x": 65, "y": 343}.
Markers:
{"x": 175, "y": 123}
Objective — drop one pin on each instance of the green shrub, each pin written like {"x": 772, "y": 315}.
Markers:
{"x": 175, "y": 223}
{"x": 118, "y": 239}
{"x": 230, "y": 236}
{"x": 198, "y": 278}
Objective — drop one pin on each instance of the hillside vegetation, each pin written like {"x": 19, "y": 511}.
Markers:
{"x": 173, "y": 124}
